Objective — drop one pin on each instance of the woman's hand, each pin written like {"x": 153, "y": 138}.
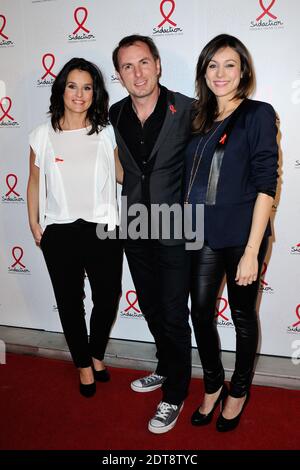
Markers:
{"x": 37, "y": 232}
{"x": 248, "y": 266}
{"x": 247, "y": 269}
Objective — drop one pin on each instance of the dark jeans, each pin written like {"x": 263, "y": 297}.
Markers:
{"x": 160, "y": 275}
{"x": 70, "y": 251}
{"x": 208, "y": 268}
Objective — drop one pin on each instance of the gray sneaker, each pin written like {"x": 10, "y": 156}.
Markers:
{"x": 165, "y": 418}
{"x": 148, "y": 384}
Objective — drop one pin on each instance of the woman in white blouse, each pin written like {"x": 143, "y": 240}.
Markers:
{"x": 71, "y": 190}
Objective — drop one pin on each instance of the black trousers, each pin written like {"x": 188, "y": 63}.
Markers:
{"x": 207, "y": 272}
{"x": 160, "y": 275}
{"x": 70, "y": 251}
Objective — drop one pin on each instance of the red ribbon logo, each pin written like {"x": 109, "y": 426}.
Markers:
{"x": 6, "y": 111}
{"x": 298, "y": 315}
{"x": 172, "y": 109}
{"x": 131, "y": 304}
{"x": 167, "y": 17}
{"x": 266, "y": 11}
{"x": 18, "y": 259}
{"x": 11, "y": 187}
{"x": 263, "y": 272}
{"x": 221, "y": 310}
{"x": 48, "y": 69}
{"x": 3, "y": 26}
{"x": 80, "y": 24}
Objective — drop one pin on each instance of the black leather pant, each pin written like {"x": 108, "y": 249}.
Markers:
{"x": 207, "y": 272}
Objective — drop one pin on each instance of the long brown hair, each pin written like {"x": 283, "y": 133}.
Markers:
{"x": 206, "y": 107}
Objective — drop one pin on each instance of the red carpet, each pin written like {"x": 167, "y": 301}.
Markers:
{"x": 41, "y": 408}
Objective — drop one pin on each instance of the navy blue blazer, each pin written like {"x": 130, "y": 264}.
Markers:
{"x": 248, "y": 166}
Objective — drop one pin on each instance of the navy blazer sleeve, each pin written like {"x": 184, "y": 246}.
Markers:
{"x": 262, "y": 132}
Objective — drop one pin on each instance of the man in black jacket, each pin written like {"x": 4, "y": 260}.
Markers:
{"x": 152, "y": 126}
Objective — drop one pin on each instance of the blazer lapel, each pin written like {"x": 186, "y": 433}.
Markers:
{"x": 216, "y": 163}
{"x": 167, "y": 124}
{"x": 120, "y": 138}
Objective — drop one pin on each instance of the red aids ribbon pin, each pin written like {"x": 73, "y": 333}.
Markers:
{"x": 172, "y": 108}
{"x": 167, "y": 17}
{"x": 80, "y": 24}
{"x": 223, "y": 138}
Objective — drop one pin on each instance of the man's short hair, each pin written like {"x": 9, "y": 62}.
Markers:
{"x": 129, "y": 41}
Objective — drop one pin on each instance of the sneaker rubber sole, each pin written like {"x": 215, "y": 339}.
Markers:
{"x": 144, "y": 389}
{"x": 164, "y": 429}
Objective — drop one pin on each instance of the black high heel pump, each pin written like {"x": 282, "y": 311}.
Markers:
{"x": 87, "y": 390}
{"x": 224, "y": 425}
{"x": 101, "y": 375}
{"x": 200, "y": 419}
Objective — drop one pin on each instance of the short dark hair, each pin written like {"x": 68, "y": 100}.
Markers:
{"x": 206, "y": 106}
{"x": 129, "y": 41}
{"x": 97, "y": 113}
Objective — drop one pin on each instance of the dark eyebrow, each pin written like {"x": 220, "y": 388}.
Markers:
{"x": 74, "y": 83}
{"x": 227, "y": 60}
{"x": 130, "y": 63}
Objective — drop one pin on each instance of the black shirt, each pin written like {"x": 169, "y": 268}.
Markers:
{"x": 139, "y": 139}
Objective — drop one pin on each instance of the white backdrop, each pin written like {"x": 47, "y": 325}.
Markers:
{"x": 38, "y": 36}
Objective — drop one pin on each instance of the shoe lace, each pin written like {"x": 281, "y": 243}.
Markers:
{"x": 164, "y": 409}
{"x": 151, "y": 378}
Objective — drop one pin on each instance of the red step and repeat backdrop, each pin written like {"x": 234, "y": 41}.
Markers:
{"x": 38, "y": 36}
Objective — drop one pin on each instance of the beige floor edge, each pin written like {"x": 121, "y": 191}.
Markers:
{"x": 269, "y": 371}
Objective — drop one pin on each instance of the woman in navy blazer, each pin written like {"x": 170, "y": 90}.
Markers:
{"x": 231, "y": 168}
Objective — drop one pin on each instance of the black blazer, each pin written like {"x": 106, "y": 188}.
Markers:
{"x": 165, "y": 180}
{"x": 248, "y": 166}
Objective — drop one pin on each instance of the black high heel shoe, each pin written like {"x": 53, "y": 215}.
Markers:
{"x": 101, "y": 375}
{"x": 200, "y": 419}
{"x": 224, "y": 425}
{"x": 87, "y": 390}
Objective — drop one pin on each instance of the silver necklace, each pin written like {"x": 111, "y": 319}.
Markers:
{"x": 195, "y": 165}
